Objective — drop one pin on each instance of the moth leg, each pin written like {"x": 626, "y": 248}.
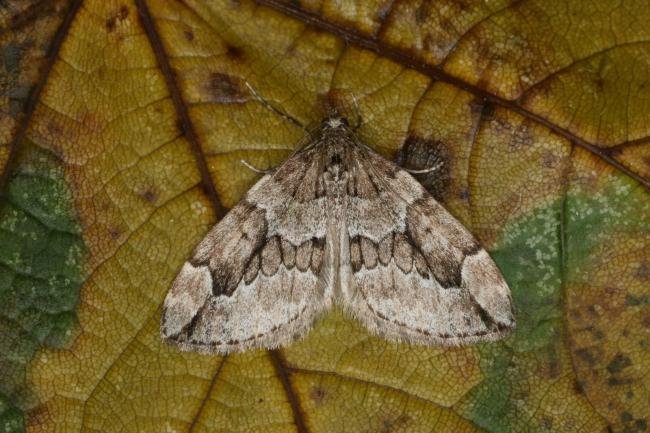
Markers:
{"x": 433, "y": 168}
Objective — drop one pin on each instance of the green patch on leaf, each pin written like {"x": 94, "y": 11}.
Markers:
{"x": 593, "y": 219}
{"x": 41, "y": 271}
{"x": 538, "y": 254}
{"x": 11, "y": 418}
{"x": 530, "y": 258}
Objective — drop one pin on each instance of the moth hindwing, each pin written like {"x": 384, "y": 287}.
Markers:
{"x": 336, "y": 222}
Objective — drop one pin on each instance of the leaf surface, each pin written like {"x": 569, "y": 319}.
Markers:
{"x": 126, "y": 148}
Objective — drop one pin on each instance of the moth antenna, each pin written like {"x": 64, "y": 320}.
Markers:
{"x": 253, "y": 168}
{"x": 271, "y": 107}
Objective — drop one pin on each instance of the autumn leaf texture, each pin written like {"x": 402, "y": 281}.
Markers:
{"x": 122, "y": 124}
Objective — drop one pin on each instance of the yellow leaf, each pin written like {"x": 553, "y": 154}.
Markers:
{"x": 128, "y": 150}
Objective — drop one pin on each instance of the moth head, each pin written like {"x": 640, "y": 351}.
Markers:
{"x": 335, "y": 122}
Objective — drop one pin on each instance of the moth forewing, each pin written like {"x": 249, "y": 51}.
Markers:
{"x": 336, "y": 222}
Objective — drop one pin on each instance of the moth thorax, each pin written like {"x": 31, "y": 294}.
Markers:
{"x": 335, "y": 175}
{"x": 334, "y": 169}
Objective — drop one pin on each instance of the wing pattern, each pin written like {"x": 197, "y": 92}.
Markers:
{"x": 256, "y": 279}
{"x": 336, "y": 221}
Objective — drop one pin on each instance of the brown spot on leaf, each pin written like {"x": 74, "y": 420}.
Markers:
{"x": 292, "y": 49}
{"x": 149, "y": 195}
{"x": 429, "y": 43}
{"x": 39, "y": 415}
{"x": 550, "y": 160}
{"x": 226, "y": 89}
{"x": 599, "y": 82}
{"x": 421, "y": 154}
{"x": 390, "y": 425}
{"x": 578, "y": 387}
{"x": 587, "y": 356}
{"x": 235, "y": 53}
{"x": 54, "y": 129}
{"x": 120, "y": 15}
{"x": 483, "y": 108}
{"x": 189, "y": 35}
{"x": 114, "y": 232}
{"x": 317, "y": 395}
{"x": 618, "y": 363}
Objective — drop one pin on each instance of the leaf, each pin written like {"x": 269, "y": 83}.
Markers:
{"x": 125, "y": 150}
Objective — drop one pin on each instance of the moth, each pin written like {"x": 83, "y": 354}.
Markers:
{"x": 336, "y": 223}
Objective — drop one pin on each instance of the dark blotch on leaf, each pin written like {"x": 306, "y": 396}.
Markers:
{"x": 114, "y": 232}
{"x": 12, "y": 54}
{"x": 587, "y": 356}
{"x": 149, "y": 195}
{"x": 626, "y": 416}
{"x": 235, "y": 53}
{"x": 633, "y": 424}
{"x": 483, "y": 108}
{"x": 121, "y": 15}
{"x": 189, "y": 35}
{"x": 226, "y": 89}
{"x": 578, "y": 387}
{"x": 420, "y": 154}
{"x": 110, "y": 24}
{"x": 28, "y": 14}
{"x": 618, "y": 363}
{"x": 317, "y": 395}
{"x": 390, "y": 425}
